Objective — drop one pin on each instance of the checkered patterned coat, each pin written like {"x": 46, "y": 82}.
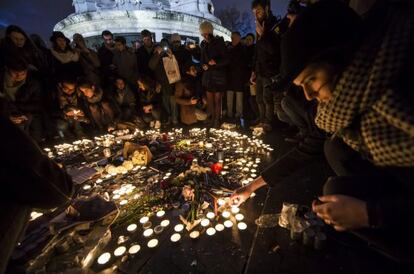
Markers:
{"x": 371, "y": 110}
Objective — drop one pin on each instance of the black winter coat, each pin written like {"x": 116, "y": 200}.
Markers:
{"x": 29, "y": 180}
{"x": 267, "y": 57}
{"x": 214, "y": 79}
{"x": 238, "y": 70}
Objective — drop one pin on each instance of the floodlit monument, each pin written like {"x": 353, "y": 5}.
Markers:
{"x": 129, "y": 17}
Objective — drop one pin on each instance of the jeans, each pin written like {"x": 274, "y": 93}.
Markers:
{"x": 264, "y": 99}
{"x": 169, "y": 104}
{"x": 239, "y": 103}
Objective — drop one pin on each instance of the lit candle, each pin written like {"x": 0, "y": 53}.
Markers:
{"x": 242, "y": 226}
{"x": 179, "y": 228}
{"x": 132, "y": 227}
{"x": 228, "y": 223}
{"x": 134, "y": 249}
{"x": 120, "y": 251}
{"x": 143, "y": 220}
{"x": 160, "y": 213}
{"x": 239, "y": 217}
{"x": 211, "y": 231}
{"x": 205, "y": 222}
{"x": 99, "y": 181}
{"x": 252, "y": 195}
{"x": 235, "y": 209}
{"x": 152, "y": 243}
{"x": 116, "y": 197}
{"x": 221, "y": 202}
{"x": 219, "y": 227}
{"x": 104, "y": 258}
{"x": 165, "y": 223}
{"x": 253, "y": 175}
{"x": 148, "y": 232}
{"x": 195, "y": 234}
{"x": 123, "y": 202}
{"x": 175, "y": 237}
{"x": 226, "y": 214}
{"x": 210, "y": 215}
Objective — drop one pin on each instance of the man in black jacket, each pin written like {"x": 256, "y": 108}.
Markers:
{"x": 106, "y": 54}
{"x": 267, "y": 59}
{"x": 29, "y": 180}
{"x": 144, "y": 53}
{"x": 22, "y": 94}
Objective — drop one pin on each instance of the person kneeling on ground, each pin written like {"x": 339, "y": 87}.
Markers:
{"x": 149, "y": 93}
{"x": 71, "y": 115}
{"x": 185, "y": 96}
{"x": 365, "y": 103}
{"x": 126, "y": 100}
{"x": 100, "y": 110}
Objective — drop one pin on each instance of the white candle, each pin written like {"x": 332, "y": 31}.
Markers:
{"x": 235, "y": 209}
{"x": 254, "y": 175}
{"x": 104, "y": 258}
{"x": 210, "y": 215}
{"x": 239, "y": 217}
{"x": 211, "y": 231}
{"x": 152, "y": 243}
{"x": 219, "y": 227}
{"x": 228, "y": 223}
{"x": 165, "y": 223}
{"x": 175, "y": 237}
{"x": 134, "y": 249}
{"x": 123, "y": 202}
{"x": 99, "y": 181}
{"x": 242, "y": 226}
{"x": 221, "y": 202}
{"x": 226, "y": 214}
{"x": 132, "y": 227}
{"x": 120, "y": 251}
{"x": 160, "y": 213}
{"x": 143, "y": 220}
{"x": 148, "y": 232}
{"x": 252, "y": 195}
{"x": 195, "y": 234}
{"x": 179, "y": 228}
{"x": 205, "y": 222}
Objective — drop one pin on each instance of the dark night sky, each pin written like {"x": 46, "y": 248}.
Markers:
{"x": 39, "y": 16}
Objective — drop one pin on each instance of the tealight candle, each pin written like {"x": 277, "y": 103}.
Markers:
{"x": 148, "y": 232}
{"x": 211, "y": 231}
{"x": 219, "y": 227}
{"x": 228, "y": 223}
{"x": 165, "y": 223}
{"x": 132, "y": 227}
{"x": 253, "y": 171}
{"x": 221, "y": 202}
{"x": 255, "y": 165}
{"x": 143, "y": 220}
{"x": 242, "y": 226}
{"x": 86, "y": 187}
{"x": 147, "y": 225}
{"x": 158, "y": 229}
{"x": 205, "y": 222}
{"x": 239, "y": 217}
{"x": 152, "y": 243}
{"x": 123, "y": 202}
{"x": 254, "y": 175}
{"x": 179, "y": 228}
{"x": 235, "y": 210}
{"x": 120, "y": 251}
{"x": 134, "y": 249}
{"x": 104, "y": 258}
{"x": 116, "y": 197}
{"x": 226, "y": 214}
{"x": 252, "y": 195}
{"x": 160, "y": 213}
{"x": 175, "y": 237}
{"x": 195, "y": 234}
{"x": 210, "y": 215}
{"x": 99, "y": 181}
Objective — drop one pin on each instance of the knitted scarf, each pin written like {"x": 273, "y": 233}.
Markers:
{"x": 369, "y": 110}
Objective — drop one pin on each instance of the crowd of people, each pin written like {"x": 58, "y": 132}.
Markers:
{"x": 337, "y": 78}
